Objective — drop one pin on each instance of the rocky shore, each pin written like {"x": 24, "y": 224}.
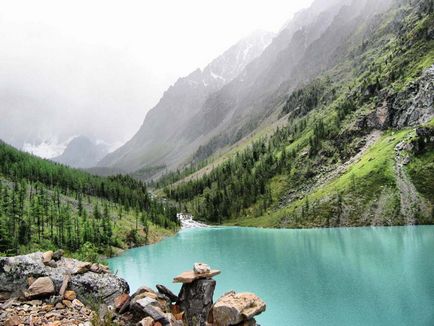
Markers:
{"x": 52, "y": 290}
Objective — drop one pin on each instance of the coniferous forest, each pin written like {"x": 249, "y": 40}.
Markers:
{"x": 48, "y": 205}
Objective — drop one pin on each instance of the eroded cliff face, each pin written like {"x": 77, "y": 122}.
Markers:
{"x": 410, "y": 107}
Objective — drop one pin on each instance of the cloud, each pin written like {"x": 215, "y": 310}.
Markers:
{"x": 46, "y": 149}
{"x": 96, "y": 67}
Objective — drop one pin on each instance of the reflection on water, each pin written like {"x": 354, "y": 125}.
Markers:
{"x": 363, "y": 276}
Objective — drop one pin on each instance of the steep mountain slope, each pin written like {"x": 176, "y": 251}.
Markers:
{"x": 317, "y": 39}
{"x": 45, "y": 205}
{"x": 81, "y": 152}
{"x": 162, "y": 140}
{"x": 356, "y": 148}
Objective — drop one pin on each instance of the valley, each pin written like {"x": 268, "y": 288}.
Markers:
{"x": 297, "y": 164}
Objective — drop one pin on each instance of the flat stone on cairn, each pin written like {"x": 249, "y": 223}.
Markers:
{"x": 200, "y": 270}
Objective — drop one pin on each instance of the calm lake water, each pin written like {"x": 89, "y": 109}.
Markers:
{"x": 356, "y": 276}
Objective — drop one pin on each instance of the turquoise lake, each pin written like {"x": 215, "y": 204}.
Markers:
{"x": 348, "y": 276}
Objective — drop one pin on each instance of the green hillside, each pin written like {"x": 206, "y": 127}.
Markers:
{"x": 356, "y": 150}
{"x": 45, "y": 205}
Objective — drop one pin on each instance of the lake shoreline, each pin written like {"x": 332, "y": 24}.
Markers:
{"x": 355, "y": 265}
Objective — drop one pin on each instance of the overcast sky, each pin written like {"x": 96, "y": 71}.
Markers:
{"x": 96, "y": 67}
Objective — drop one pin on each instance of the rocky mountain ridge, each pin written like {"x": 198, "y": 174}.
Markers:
{"x": 314, "y": 40}
{"x": 161, "y": 140}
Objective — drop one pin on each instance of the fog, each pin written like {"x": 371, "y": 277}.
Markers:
{"x": 95, "y": 68}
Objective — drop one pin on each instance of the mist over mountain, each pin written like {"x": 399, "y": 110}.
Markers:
{"x": 81, "y": 152}
{"x": 209, "y": 110}
{"x": 161, "y": 139}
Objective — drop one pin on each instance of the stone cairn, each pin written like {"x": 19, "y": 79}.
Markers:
{"x": 51, "y": 290}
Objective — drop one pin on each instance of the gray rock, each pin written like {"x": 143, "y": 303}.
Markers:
{"x": 195, "y": 299}
{"x": 148, "y": 307}
{"x": 164, "y": 290}
{"x": 15, "y": 271}
{"x": 409, "y": 108}
{"x": 58, "y": 254}
{"x": 201, "y": 268}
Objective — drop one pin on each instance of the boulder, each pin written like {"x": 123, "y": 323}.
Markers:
{"x": 42, "y": 286}
{"x": 201, "y": 268}
{"x": 234, "y": 308}
{"x": 164, "y": 290}
{"x": 77, "y": 303}
{"x": 58, "y": 254}
{"x": 190, "y": 276}
{"x": 148, "y": 307}
{"x": 82, "y": 267}
{"x": 195, "y": 299}
{"x": 15, "y": 272}
{"x": 47, "y": 256}
{"x": 141, "y": 290}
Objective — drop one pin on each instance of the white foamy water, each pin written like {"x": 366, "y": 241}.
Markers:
{"x": 187, "y": 221}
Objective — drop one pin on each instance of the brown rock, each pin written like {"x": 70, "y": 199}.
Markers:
{"x": 120, "y": 300}
{"x": 47, "y": 256}
{"x": 65, "y": 282}
{"x": 13, "y": 321}
{"x": 233, "y": 308}
{"x": 95, "y": 268}
{"x": 59, "y": 306}
{"x": 30, "y": 280}
{"x": 67, "y": 303}
{"x": 77, "y": 303}
{"x": 82, "y": 267}
{"x": 104, "y": 268}
{"x": 176, "y": 310}
{"x": 151, "y": 295}
{"x": 125, "y": 307}
{"x": 142, "y": 289}
{"x": 55, "y": 323}
{"x": 5, "y": 296}
{"x": 43, "y": 286}
{"x": 148, "y": 321}
{"x": 35, "y": 302}
{"x": 190, "y": 276}
{"x": 70, "y": 295}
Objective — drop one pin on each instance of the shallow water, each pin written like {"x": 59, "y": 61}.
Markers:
{"x": 347, "y": 276}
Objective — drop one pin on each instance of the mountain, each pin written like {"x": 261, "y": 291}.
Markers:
{"x": 81, "y": 152}
{"x": 343, "y": 126}
{"x": 315, "y": 40}
{"x": 162, "y": 139}
{"x": 310, "y": 43}
{"x": 47, "y": 205}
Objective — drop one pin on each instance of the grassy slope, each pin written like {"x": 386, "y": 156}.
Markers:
{"x": 369, "y": 176}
